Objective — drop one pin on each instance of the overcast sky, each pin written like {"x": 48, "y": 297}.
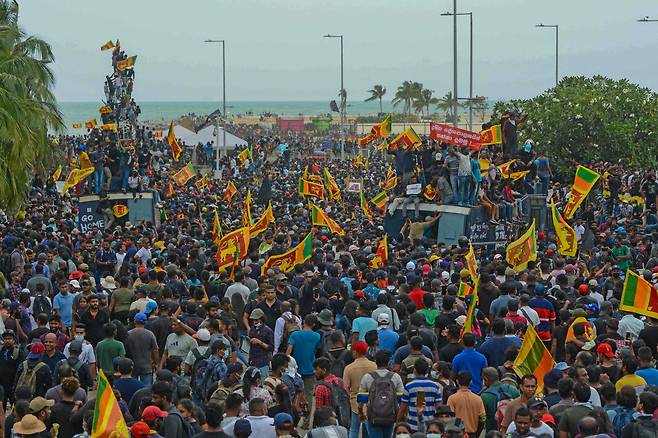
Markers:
{"x": 275, "y": 49}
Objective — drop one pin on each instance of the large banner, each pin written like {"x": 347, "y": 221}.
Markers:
{"x": 457, "y": 136}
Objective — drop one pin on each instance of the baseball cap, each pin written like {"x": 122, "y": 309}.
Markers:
{"x": 360, "y": 347}
{"x": 242, "y": 427}
{"x": 140, "y": 429}
{"x": 536, "y": 402}
{"x": 150, "y": 307}
{"x": 606, "y": 350}
{"x": 411, "y": 266}
{"x": 383, "y": 318}
{"x": 445, "y": 275}
{"x": 426, "y": 269}
{"x": 561, "y": 366}
{"x": 141, "y": 317}
{"x": 75, "y": 346}
{"x": 283, "y": 421}
{"x": 36, "y": 350}
{"x": 461, "y": 320}
{"x": 152, "y": 412}
{"x": 203, "y": 335}
{"x": 74, "y": 284}
{"x": 38, "y": 403}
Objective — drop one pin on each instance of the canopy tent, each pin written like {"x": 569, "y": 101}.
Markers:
{"x": 206, "y": 135}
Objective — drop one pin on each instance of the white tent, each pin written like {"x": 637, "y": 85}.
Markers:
{"x": 206, "y": 135}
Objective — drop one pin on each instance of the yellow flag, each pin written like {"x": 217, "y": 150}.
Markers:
{"x": 75, "y": 177}
{"x": 85, "y": 162}
{"x": 523, "y": 249}
{"x": 246, "y": 215}
{"x": 57, "y": 173}
{"x": 566, "y": 236}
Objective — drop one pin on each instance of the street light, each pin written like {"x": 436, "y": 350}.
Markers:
{"x": 470, "y": 88}
{"x": 556, "y": 47}
{"x": 223, "y": 42}
{"x": 646, "y": 19}
{"x": 343, "y": 98}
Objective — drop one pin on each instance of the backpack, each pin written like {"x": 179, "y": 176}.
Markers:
{"x": 41, "y": 305}
{"x": 623, "y": 417}
{"x": 340, "y": 402}
{"x": 29, "y": 376}
{"x": 76, "y": 367}
{"x": 645, "y": 428}
{"x": 188, "y": 431}
{"x": 382, "y": 401}
{"x": 338, "y": 363}
{"x": 289, "y": 326}
{"x": 447, "y": 389}
{"x": 212, "y": 374}
{"x": 503, "y": 398}
{"x": 199, "y": 369}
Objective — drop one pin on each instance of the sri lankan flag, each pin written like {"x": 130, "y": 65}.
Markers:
{"x": 492, "y": 135}
{"x": 109, "y": 127}
{"x": 107, "y": 46}
{"x": 126, "y": 63}
{"x": 358, "y": 161}
{"x": 107, "y": 420}
{"x": 216, "y": 229}
{"x": 429, "y": 192}
{"x": 504, "y": 168}
{"x": 90, "y": 124}
{"x": 639, "y": 296}
{"x": 245, "y": 155}
{"x": 515, "y": 176}
{"x": 364, "y": 141}
{"x": 170, "y": 190}
{"x": 471, "y": 263}
{"x": 288, "y": 260}
{"x": 382, "y": 129}
{"x": 76, "y": 176}
{"x": 105, "y": 109}
{"x": 533, "y": 358}
{"x": 332, "y": 188}
{"x": 120, "y": 210}
{"x": 470, "y": 313}
{"x": 77, "y": 125}
{"x": 230, "y": 192}
{"x": 381, "y": 255}
{"x": 201, "y": 183}
{"x": 365, "y": 208}
{"x": 235, "y": 242}
{"x": 246, "y": 210}
{"x": 465, "y": 290}
{"x": 173, "y": 143}
{"x": 184, "y": 175}
{"x": 262, "y": 223}
{"x": 320, "y": 218}
{"x": 566, "y": 236}
{"x": 582, "y": 184}
{"x": 57, "y": 173}
{"x": 407, "y": 140}
{"x": 523, "y": 249}
{"x": 380, "y": 200}
{"x": 310, "y": 188}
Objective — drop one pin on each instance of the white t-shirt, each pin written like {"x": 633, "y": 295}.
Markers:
{"x": 540, "y": 430}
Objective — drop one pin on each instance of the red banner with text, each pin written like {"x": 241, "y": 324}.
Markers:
{"x": 456, "y": 136}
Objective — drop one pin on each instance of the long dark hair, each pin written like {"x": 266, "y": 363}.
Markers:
{"x": 250, "y": 378}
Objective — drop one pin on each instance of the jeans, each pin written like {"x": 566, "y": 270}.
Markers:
{"x": 379, "y": 431}
{"x": 309, "y": 393}
{"x": 464, "y": 186}
{"x": 545, "y": 181}
{"x": 98, "y": 180}
{"x": 146, "y": 379}
{"x": 474, "y": 193}
{"x": 125, "y": 173}
{"x": 264, "y": 372}
{"x": 454, "y": 183}
{"x": 356, "y": 427}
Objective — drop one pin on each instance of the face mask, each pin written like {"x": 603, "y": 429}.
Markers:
{"x": 434, "y": 374}
{"x": 79, "y": 338}
{"x": 258, "y": 325}
{"x": 433, "y": 435}
{"x": 527, "y": 147}
{"x": 403, "y": 435}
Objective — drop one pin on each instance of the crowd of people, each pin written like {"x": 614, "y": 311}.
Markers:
{"x": 333, "y": 348}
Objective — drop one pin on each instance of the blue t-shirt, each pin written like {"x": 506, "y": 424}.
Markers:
{"x": 648, "y": 374}
{"x": 65, "y": 306}
{"x": 388, "y": 339}
{"x": 127, "y": 387}
{"x": 473, "y": 362}
{"x": 362, "y": 325}
{"x": 304, "y": 343}
{"x": 494, "y": 349}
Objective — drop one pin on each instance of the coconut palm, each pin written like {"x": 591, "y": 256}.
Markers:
{"x": 377, "y": 92}
{"x": 445, "y": 104}
{"x": 407, "y": 93}
{"x": 424, "y": 101}
{"x": 481, "y": 106}
{"x": 27, "y": 107}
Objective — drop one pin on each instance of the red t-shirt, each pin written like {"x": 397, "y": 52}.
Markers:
{"x": 416, "y": 296}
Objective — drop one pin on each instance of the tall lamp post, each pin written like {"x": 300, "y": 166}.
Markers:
{"x": 470, "y": 78}
{"x": 343, "y": 98}
{"x": 223, "y": 42}
{"x": 556, "y": 27}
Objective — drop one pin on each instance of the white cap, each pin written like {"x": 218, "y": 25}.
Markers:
{"x": 445, "y": 274}
{"x": 203, "y": 335}
{"x": 411, "y": 266}
{"x": 383, "y": 318}
{"x": 75, "y": 284}
{"x": 461, "y": 320}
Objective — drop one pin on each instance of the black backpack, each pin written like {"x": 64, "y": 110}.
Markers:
{"x": 41, "y": 305}
{"x": 339, "y": 362}
{"x": 188, "y": 431}
{"x": 199, "y": 369}
{"x": 644, "y": 428}
{"x": 340, "y": 402}
{"x": 382, "y": 400}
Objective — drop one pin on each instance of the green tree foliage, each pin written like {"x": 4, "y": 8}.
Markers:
{"x": 598, "y": 118}
{"x": 377, "y": 92}
{"x": 27, "y": 107}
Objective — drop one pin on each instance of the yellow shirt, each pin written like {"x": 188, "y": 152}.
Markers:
{"x": 633, "y": 380}
{"x": 469, "y": 407}
{"x": 352, "y": 376}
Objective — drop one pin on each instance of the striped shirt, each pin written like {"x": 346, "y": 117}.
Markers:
{"x": 432, "y": 394}
{"x": 546, "y": 312}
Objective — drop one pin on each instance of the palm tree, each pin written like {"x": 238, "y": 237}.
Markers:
{"x": 446, "y": 104}
{"x": 27, "y": 107}
{"x": 407, "y": 93}
{"x": 377, "y": 92}
{"x": 424, "y": 101}
{"x": 481, "y": 106}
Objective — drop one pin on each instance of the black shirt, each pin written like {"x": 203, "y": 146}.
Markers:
{"x": 272, "y": 313}
{"x": 449, "y": 351}
{"x": 649, "y": 334}
{"x": 161, "y": 328}
{"x": 60, "y": 413}
{"x": 206, "y": 434}
{"x": 94, "y": 325}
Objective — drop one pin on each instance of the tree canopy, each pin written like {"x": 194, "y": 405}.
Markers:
{"x": 584, "y": 119}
